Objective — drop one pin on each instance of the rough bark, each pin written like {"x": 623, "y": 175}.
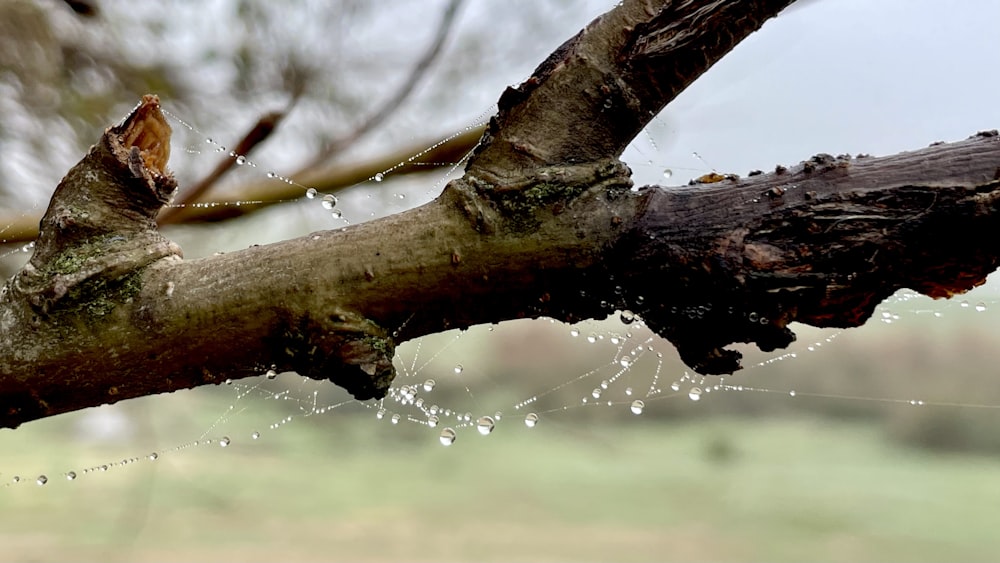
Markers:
{"x": 545, "y": 222}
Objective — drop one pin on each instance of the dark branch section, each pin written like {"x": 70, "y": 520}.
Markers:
{"x": 545, "y": 222}
{"x": 822, "y": 243}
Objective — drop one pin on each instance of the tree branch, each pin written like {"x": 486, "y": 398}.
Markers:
{"x": 543, "y": 223}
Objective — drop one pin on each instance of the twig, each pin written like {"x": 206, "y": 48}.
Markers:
{"x": 390, "y": 105}
{"x": 256, "y": 135}
{"x": 16, "y": 229}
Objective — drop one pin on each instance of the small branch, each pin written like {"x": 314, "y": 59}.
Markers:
{"x": 254, "y": 196}
{"x": 390, "y": 105}
{"x": 256, "y": 135}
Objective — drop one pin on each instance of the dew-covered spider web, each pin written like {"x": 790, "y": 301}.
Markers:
{"x": 529, "y": 375}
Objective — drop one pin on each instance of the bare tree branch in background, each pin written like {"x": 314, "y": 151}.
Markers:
{"x": 255, "y": 136}
{"x": 390, "y": 105}
{"x": 256, "y": 195}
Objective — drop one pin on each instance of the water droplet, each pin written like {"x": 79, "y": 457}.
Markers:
{"x": 791, "y": 393}
{"x": 337, "y": 214}
{"x": 637, "y": 406}
{"x": 272, "y": 174}
{"x": 459, "y": 368}
{"x": 380, "y": 414}
{"x": 695, "y": 394}
{"x": 379, "y": 177}
{"x": 432, "y": 421}
{"x": 667, "y": 173}
{"x": 627, "y": 317}
{"x": 429, "y": 385}
{"x": 980, "y": 306}
{"x": 628, "y": 391}
{"x": 530, "y": 420}
{"x": 209, "y": 141}
{"x": 447, "y": 437}
{"x": 596, "y": 393}
{"x": 574, "y": 332}
{"x": 153, "y": 456}
{"x": 329, "y": 201}
{"x": 241, "y": 160}
{"x": 395, "y": 418}
{"x": 16, "y": 479}
{"x": 255, "y": 435}
{"x": 311, "y": 193}
{"x": 224, "y": 442}
{"x": 71, "y": 475}
{"x": 271, "y": 374}
{"x": 675, "y": 386}
{"x": 625, "y": 361}
{"x": 592, "y": 338}
{"x": 964, "y": 304}
{"x": 485, "y": 425}
{"x": 42, "y": 479}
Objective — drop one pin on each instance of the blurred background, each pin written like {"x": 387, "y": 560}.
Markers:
{"x": 877, "y": 443}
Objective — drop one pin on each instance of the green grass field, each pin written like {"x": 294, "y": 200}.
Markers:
{"x": 350, "y": 490}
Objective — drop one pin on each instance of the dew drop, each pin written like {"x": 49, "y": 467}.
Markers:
{"x": 637, "y": 406}
{"x": 432, "y": 421}
{"x": 628, "y": 391}
{"x": 153, "y": 456}
{"x": 447, "y": 437}
{"x": 667, "y": 173}
{"x": 980, "y": 307}
{"x": 71, "y": 475}
{"x": 241, "y": 160}
{"x": 429, "y": 385}
{"x": 329, "y": 201}
{"x": 592, "y": 338}
{"x": 574, "y": 332}
{"x": 272, "y": 174}
{"x": 380, "y": 414}
{"x": 596, "y": 393}
{"x": 675, "y": 386}
{"x": 395, "y": 418}
{"x": 255, "y": 435}
{"x": 627, "y": 317}
{"x": 42, "y": 479}
{"x": 311, "y": 193}
{"x": 271, "y": 374}
{"x": 459, "y": 368}
{"x": 224, "y": 442}
{"x": 16, "y": 479}
{"x": 695, "y": 394}
{"x": 337, "y": 214}
{"x": 530, "y": 420}
{"x": 485, "y": 425}
{"x": 379, "y": 177}
{"x": 791, "y": 393}
{"x": 964, "y": 304}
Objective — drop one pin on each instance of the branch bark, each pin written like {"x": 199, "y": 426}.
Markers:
{"x": 544, "y": 222}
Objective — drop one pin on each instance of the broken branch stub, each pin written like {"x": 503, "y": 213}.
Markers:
{"x": 99, "y": 226}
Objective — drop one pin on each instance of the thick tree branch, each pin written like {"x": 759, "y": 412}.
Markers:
{"x": 543, "y": 223}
